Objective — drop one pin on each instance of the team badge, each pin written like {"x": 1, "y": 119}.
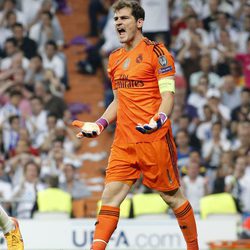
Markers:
{"x": 163, "y": 61}
{"x": 126, "y": 63}
{"x": 139, "y": 58}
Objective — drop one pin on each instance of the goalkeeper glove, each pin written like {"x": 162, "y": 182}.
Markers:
{"x": 154, "y": 124}
{"x": 90, "y": 129}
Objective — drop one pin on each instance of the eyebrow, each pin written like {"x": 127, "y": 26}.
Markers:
{"x": 121, "y": 17}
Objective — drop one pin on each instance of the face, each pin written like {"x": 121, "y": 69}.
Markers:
{"x": 36, "y": 106}
{"x": 50, "y": 50}
{"x": 15, "y": 100}
{"x": 10, "y": 48}
{"x": 216, "y": 130}
{"x": 245, "y": 98}
{"x": 51, "y": 122}
{"x": 69, "y": 172}
{"x": 126, "y": 25}
{"x": 182, "y": 138}
{"x": 31, "y": 172}
{"x": 193, "y": 170}
{"x": 18, "y": 32}
{"x": 46, "y": 20}
{"x": 15, "y": 125}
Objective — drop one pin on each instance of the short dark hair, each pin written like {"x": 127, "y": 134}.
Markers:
{"x": 18, "y": 25}
{"x": 136, "y": 9}
{"x": 48, "y": 13}
{"x": 13, "y": 117}
{"x": 15, "y": 92}
{"x": 12, "y": 40}
{"x": 51, "y": 43}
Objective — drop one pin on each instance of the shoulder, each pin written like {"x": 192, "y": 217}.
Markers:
{"x": 116, "y": 52}
{"x": 157, "y": 48}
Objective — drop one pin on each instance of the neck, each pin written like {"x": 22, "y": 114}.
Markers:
{"x": 133, "y": 43}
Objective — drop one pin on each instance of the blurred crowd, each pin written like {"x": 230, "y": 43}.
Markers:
{"x": 37, "y": 145}
{"x": 210, "y": 41}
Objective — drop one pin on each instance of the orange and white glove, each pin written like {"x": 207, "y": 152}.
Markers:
{"x": 154, "y": 124}
{"x": 90, "y": 129}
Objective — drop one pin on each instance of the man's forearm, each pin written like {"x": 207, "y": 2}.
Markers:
{"x": 111, "y": 112}
{"x": 167, "y": 103}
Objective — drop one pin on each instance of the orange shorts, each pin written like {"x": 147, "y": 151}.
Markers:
{"x": 155, "y": 161}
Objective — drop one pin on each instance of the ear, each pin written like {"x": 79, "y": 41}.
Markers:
{"x": 140, "y": 23}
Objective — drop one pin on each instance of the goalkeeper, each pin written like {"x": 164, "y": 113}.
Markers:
{"x": 142, "y": 76}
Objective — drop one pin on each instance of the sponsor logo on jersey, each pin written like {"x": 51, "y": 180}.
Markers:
{"x": 126, "y": 63}
{"x": 139, "y": 58}
{"x": 165, "y": 69}
{"x": 124, "y": 82}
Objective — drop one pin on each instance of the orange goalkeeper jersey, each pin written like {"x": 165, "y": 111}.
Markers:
{"x": 135, "y": 74}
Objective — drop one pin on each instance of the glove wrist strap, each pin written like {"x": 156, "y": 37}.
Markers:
{"x": 163, "y": 117}
{"x": 102, "y": 122}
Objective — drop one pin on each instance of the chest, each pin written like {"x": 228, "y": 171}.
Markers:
{"x": 137, "y": 67}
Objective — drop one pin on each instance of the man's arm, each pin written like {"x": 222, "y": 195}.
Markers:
{"x": 111, "y": 111}
{"x": 167, "y": 90}
{"x": 167, "y": 96}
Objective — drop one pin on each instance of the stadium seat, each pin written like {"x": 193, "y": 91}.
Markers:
{"x": 220, "y": 205}
{"x": 150, "y": 205}
{"x": 125, "y": 208}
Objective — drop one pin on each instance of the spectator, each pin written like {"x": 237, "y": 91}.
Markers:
{"x": 5, "y": 187}
{"x": 224, "y": 52}
{"x": 157, "y": 27}
{"x": 53, "y": 104}
{"x": 231, "y": 96}
{"x": 10, "y": 5}
{"x": 25, "y": 193}
{"x": 53, "y": 199}
{"x": 212, "y": 149}
{"x": 235, "y": 71}
{"x": 225, "y": 168}
{"x": 183, "y": 148}
{"x": 197, "y": 97}
{"x": 34, "y": 72}
{"x": 220, "y": 111}
{"x": 195, "y": 186}
{"x": 223, "y": 22}
{"x": 45, "y": 30}
{"x": 238, "y": 185}
{"x": 67, "y": 136}
{"x": 243, "y": 35}
{"x": 56, "y": 86}
{"x": 242, "y": 112}
{"x": 6, "y": 28}
{"x": 205, "y": 69}
{"x": 72, "y": 184}
{"x": 11, "y": 135}
{"x": 97, "y": 12}
{"x": 27, "y": 45}
{"x": 245, "y": 62}
{"x": 189, "y": 59}
{"x": 51, "y": 60}
{"x": 11, "y": 107}
{"x": 209, "y": 12}
{"x": 175, "y": 117}
{"x": 36, "y": 122}
{"x": 241, "y": 144}
{"x": 193, "y": 34}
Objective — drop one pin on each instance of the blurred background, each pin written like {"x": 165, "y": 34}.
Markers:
{"x": 53, "y": 57}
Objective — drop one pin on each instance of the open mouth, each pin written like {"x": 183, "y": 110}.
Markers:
{"x": 121, "y": 31}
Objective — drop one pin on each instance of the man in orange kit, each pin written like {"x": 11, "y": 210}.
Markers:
{"x": 142, "y": 74}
